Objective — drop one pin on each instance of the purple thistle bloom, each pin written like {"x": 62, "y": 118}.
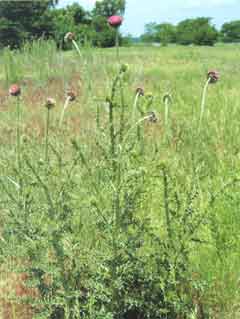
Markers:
{"x": 115, "y": 21}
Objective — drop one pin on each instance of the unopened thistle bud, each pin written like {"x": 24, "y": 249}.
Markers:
{"x": 50, "y": 103}
{"x": 167, "y": 98}
{"x": 69, "y": 36}
{"x": 140, "y": 91}
{"x": 214, "y": 76}
{"x": 71, "y": 95}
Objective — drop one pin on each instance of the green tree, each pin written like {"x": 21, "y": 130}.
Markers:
{"x": 24, "y": 20}
{"x": 165, "y": 33}
{"x": 107, "y": 8}
{"x": 230, "y": 31}
{"x": 73, "y": 18}
{"x": 150, "y": 31}
{"x": 197, "y": 31}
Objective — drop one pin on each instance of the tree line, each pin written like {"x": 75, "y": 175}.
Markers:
{"x": 22, "y": 21}
{"x": 198, "y": 31}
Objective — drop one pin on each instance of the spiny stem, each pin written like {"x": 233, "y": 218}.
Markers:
{"x": 166, "y": 112}
{"x": 77, "y": 48}
{"x": 203, "y": 103}
{"x": 46, "y": 135}
{"x": 63, "y": 110}
{"x": 19, "y": 142}
{"x": 135, "y": 107}
{"x": 117, "y": 46}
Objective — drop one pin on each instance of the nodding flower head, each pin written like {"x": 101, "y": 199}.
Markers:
{"x": 115, "y": 21}
{"x": 69, "y": 36}
{"x": 152, "y": 117}
{"x": 14, "y": 90}
{"x": 140, "y": 91}
{"x": 50, "y": 103}
{"x": 213, "y": 76}
{"x": 71, "y": 95}
{"x": 167, "y": 98}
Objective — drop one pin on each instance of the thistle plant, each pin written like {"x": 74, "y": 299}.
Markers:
{"x": 50, "y": 103}
{"x": 70, "y": 97}
{"x": 212, "y": 78}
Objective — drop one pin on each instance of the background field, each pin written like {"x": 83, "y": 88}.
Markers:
{"x": 202, "y": 168}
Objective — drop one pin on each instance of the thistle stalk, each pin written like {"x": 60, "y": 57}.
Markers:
{"x": 65, "y": 106}
{"x": 18, "y": 146}
{"x": 203, "y": 103}
{"x": 47, "y": 135}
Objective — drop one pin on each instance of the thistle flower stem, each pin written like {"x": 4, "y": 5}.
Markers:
{"x": 122, "y": 115}
{"x": 77, "y": 48}
{"x": 46, "y": 135}
{"x": 166, "y": 112}
{"x": 117, "y": 45}
{"x": 204, "y": 95}
{"x": 63, "y": 110}
{"x": 19, "y": 142}
{"x": 135, "y": 107}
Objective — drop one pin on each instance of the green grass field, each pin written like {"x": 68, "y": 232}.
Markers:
{"x": 111, "y": 214}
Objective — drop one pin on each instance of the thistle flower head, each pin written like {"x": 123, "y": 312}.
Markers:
{"x": 69, "y": 36}
{"x": 71, "y": 95}
{"x": 14, "y": 90}
{"x": 140, "y": 91}
{"x": 214, "y": 76}
{"x": 115, "y": 21}
{"x": 50, "y": 103}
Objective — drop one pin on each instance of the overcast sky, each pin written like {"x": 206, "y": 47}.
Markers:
{"x": 140, "y": 12}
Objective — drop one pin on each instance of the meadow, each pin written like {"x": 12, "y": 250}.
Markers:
{"x": 125, "y": 205}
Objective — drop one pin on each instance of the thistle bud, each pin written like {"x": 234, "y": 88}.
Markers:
{"x": 15, "y": 90}
{"x": 124, "y": 68}
{"x": 71, "y": 95}
{"x": 167, "y": 98}
{"x": 140, "y": 91}
{"x": 214, "y": 76}
{"x": 50, "y": 103}
{"x": 69, "y": 36}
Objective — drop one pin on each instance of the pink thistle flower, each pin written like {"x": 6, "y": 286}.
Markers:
{"x": 14, "y": 90}
{"x": 115, "y": 21}
{"x": 214, "y": 76}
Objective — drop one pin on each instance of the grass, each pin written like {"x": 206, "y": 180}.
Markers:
{"x": 201, "y": 167}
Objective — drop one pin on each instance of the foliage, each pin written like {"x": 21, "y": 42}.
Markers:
{"x": 197, "y": 31}
{"x": 230, "y": 31}
{"x": 24, "y": 20}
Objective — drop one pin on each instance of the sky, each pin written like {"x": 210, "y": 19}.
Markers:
{"x": 140, "y": 12}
